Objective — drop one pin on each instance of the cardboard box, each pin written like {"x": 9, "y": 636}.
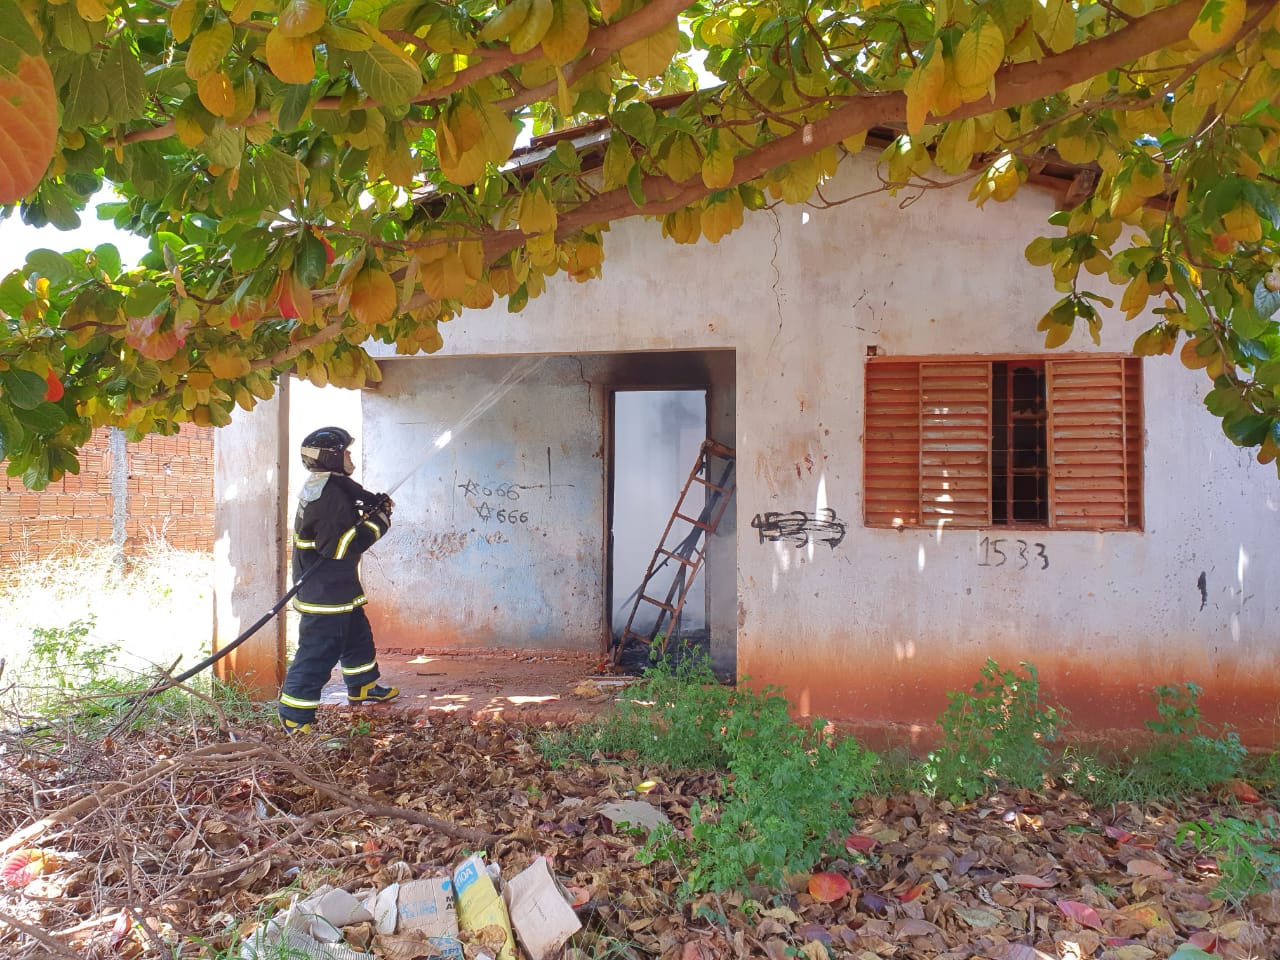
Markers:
{"x": 540, "y": 910}
{"x": 427, "y": 907}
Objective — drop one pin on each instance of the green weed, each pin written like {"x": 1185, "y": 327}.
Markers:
{"x": 785, "y": 806}
{"x": 996, "y": 734}
{"x": 788, "y": 787}
{"x": 673, "y": 716}
{"x": 1191, "y": 755}
{"x": 1187, "y": 756}
{"x": 1248, "y": 853}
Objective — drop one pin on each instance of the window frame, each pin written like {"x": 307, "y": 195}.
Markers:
{"x": 927, "y": 441}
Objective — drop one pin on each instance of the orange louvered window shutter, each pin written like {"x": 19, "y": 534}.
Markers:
{"x": 1095, "y": 437}
{"x": 891, "y": 445}
{"x": 948, "y": 443}
{"x": 955, "y": 444}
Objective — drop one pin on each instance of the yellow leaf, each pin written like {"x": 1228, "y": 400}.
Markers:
{"x": 216, "y": 93}
{"x": 373, "y": 296}
{"x": 471, "y": 255}
{"x": 530, "y": 33}
{"x": 444, "y": 278}
{"x": 1218, "y": 23}
{"x": 955, "y": 148}
{"x": 1055, "y": 23}
{"x": 683, "y": 160}
{"x": 227, "y": 366}
{"x": 717, "y": 169}
{"x": 536, "y": 214}
{"x": 1124, "y": 200}
{"x": 1135, "y": 296}
{"x": 1243, "y": 224}
{"x": 978, "y": 55}
{"x": 618, "y": 162}
{"x": 470, "y": 137}
{"x": 1148, "y": 179}
{"x": 92, "y": 10}
{"x": 299, "y": 18}
{"x": 1192, "y": 359}
{"x": 1185, "y": 117}
{"x": 243, "y": 10}
{"x": 650, "y": 56}
{"x": 922, "y": 89}
{"x": 207, "y": 49}
{"x": 567, "y": 34}
{"x": 291, "y": 59}
{"x": 1005, "y": 178}
{"x": 855, "y": 143}
{"x": 506, "y": 21}
{"x": 1057, "y": 334}
{"x": 182, "y": 19}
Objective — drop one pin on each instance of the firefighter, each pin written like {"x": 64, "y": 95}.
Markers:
{"x": 337, "y": 520}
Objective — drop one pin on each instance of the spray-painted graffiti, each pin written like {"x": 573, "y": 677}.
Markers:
{"x": 995, "y": 553}
{"x": 801, "y": 528}
{"x": 504, "y": 492}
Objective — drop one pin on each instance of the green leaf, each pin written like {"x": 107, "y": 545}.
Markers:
{"x": 51, "y": 265}
{"x": 637, "y": 121}
{"x": 635, "y": 185}
{"x": 1265, "y": 301}
{"x": 121, "y": 75}
{"x": 310, "y": 261}
{"x": 108, "y": 259}
{"x": 11, "y": 432}
{"x": 1248, "y": 431}
{"x": 85, "y": 101}
{"x": 290, "y": 108}
{"x": 36, "y": 476}
{"x": 23, "y": 389}
{"x": 46, "y": 418}
{"x": 144, "y": 299}
{"x": 390, "y": 78}
{"x": 1226, "y": 401}
{"x": 224, "y": 146}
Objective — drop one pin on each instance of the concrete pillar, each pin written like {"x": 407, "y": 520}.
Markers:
{"x": 119, "y": 493}
{"x": 250, "y": 540}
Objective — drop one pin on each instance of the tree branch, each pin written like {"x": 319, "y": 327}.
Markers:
{"x": 603, "y": 42}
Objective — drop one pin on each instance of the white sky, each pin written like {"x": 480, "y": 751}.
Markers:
{"x": 17, "y": 239}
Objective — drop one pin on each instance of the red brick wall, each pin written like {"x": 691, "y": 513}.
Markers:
{"x": 170, "y": 495}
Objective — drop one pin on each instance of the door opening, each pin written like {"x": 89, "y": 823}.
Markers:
{"x": 657, "y": 436}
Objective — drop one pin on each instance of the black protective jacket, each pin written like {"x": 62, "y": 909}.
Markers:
{"x": 329, "y": 535}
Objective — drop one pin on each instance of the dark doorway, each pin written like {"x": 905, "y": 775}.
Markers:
{"x": 657, "y": 436}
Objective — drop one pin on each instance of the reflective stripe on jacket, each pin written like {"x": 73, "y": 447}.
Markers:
{"x": 329, "y": 535}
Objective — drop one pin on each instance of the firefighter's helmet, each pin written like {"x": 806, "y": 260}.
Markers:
{"x": 323, "y": 449}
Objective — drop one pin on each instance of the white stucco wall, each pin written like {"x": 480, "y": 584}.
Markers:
{"x": 879, "y": 627}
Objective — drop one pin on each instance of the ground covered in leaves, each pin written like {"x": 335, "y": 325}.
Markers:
{"x": 179, "y": 841}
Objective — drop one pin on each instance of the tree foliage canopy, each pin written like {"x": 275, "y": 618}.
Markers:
{"x": 316, "y": 175}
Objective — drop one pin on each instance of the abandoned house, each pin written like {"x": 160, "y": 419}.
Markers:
{"x": 916, "y": 484}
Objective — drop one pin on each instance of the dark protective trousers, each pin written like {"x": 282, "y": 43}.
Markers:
{"x": 325, "y": 639}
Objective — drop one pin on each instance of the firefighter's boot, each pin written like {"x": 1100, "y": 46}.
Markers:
{"x": 372, "y": 692}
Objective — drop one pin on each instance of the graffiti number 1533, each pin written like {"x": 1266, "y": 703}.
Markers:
{"x": 996, "y": 553}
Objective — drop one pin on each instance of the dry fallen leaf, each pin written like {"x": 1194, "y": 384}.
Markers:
{"x": 1032, "y": 881}
{"x": 859, "y": 843}
{"x": 828, "y": 887}
{"x": 1148, "y": 868}
{"x": 1081, "y": 913}
{"x": 23, "y": 866}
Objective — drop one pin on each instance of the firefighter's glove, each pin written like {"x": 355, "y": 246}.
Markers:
{"x": 382, "y": 510}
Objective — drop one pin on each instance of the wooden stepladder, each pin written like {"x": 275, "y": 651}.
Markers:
{"x": 712, "y": 476}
